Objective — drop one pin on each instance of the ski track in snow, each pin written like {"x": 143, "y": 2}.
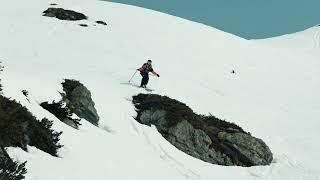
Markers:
{"x": 317, "y": 38}
{"x": 187, "y": 173}
{"x": 280, "y": 165}
{"x": 171, "y": 161}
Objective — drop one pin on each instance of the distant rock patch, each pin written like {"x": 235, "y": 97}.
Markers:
{"x": 63, "y": 14}
{"x": 204, "y": 137}
{"x": 83, "y": 25}
{"x": 101, "y": 22}
{"x": 53, "y": 4}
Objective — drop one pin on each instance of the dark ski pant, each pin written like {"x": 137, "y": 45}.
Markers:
{"x": 145, "y": 79}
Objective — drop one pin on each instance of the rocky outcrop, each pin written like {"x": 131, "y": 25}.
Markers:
{"x": 64, "y": 14}
{"x": 78, "y": 99}
{"x": 204, "y": 137}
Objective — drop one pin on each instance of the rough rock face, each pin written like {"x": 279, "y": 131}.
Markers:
{"x": 196, "y": 143}
{"x": 256, "y": 151}
{"x": 78, "y": 99}
{"x": 63, "y": 14}
{"x": 204, "y": 137}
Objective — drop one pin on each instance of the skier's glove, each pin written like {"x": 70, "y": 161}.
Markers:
{"x": 158, "y": 75}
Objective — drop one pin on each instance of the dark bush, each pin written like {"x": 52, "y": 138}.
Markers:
{"x": 221, "y": 124}
{"x": 1, "y": 69}
{"x": 176, "y": 111}
{"x": 20, "y": 128}
{"x": 9, "y": 169}
{"x": 69, "y": 85}
{"x": 25, "y": 93}
{"x": 43, "y": 137}
{"x": 62, "y": 113}
{"x": 14, "y": 120}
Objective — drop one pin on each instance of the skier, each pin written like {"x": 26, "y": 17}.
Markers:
{"x": 144, "y": 71}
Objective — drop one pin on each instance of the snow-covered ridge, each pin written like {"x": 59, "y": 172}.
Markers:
{"x": 272, "y": 93}
{"x": 305, "y": 40}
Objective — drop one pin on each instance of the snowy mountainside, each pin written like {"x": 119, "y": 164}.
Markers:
{"x": 271, "y": 94}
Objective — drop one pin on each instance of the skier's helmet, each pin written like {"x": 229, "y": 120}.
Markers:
{"x": 149, "y": 61}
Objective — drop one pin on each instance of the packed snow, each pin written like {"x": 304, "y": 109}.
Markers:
{"x": 272, "y": 94}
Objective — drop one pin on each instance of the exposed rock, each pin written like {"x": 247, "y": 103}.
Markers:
{"x": 63, "y": 14}
{"x": 53, "y": 4}
{"x": 196, "y": 143}
{"x": 83, "y": 25}
{"x": 78, "y": 99}
{"x": 101, "y": 22}
{"x": 204, "y": 137}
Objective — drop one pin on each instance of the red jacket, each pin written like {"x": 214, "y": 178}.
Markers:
{"x": 146, "y": 68}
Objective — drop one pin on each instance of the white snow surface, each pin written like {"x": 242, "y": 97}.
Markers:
{"x": 273, "y": 94}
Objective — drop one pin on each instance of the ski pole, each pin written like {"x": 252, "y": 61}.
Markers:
{"x": 133, "y": 75}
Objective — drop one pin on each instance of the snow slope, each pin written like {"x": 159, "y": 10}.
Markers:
{"x": 273, "y": 93}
